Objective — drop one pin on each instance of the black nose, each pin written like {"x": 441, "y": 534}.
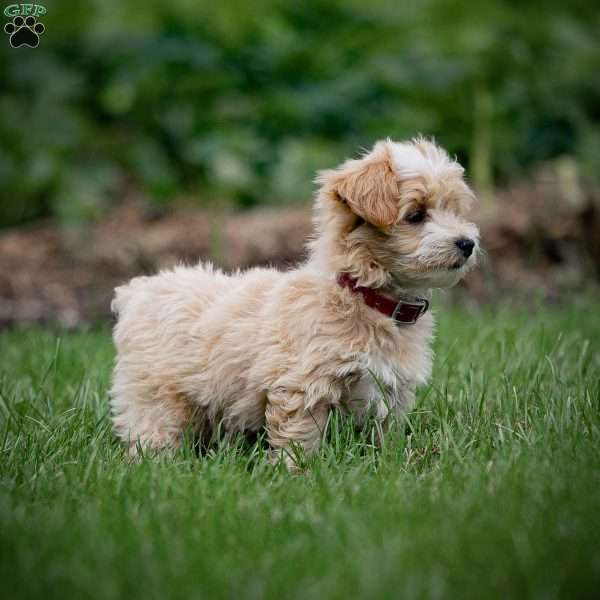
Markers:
{"x": 465, "y": 245}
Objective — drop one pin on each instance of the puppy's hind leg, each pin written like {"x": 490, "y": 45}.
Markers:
{"x": 153, "y": 423}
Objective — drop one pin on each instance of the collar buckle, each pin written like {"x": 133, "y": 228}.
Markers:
{"x": 401, "y": 311}
{"x": 407, "y": 313}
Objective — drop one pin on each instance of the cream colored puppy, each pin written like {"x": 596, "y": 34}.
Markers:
{"x": 277, "y": 350}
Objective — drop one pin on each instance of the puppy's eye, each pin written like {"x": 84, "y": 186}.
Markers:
{"x": 417, "y": 216}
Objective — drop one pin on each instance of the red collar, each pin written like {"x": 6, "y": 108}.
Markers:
{"x": 402, "y": 311}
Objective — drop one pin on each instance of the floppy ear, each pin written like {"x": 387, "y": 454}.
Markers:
{"x": 368, "y": 186}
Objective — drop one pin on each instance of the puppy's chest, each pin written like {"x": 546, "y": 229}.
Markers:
{"x": 387, "y": 380}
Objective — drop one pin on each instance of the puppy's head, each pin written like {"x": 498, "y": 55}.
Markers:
{"x": 403, "y": 207}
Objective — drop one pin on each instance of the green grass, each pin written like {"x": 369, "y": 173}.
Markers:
{"x": 495, "y": 492}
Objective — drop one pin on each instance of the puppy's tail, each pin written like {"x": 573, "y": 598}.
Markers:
{"x": 123, "y": 294}
{"x": 118, "y": 302}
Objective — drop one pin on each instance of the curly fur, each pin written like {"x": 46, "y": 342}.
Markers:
{"x": 277, "y": 350}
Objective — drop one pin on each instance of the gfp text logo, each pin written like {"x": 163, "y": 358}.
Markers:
{"x": 24, "y": 29}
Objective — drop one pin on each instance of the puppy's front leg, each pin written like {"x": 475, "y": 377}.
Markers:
{"x": 404, "y": 401}
{"x": 395, "y": 421}
{"x": 289, "y": 422}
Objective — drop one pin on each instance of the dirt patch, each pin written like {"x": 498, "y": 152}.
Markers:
{"x": 51, "y": 274}
{"x": 541, "y": 236}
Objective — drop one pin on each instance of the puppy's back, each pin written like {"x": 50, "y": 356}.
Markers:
{"x": 200, "y": 285}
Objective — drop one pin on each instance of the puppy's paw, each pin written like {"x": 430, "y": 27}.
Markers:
{"x": 283, "y": 456}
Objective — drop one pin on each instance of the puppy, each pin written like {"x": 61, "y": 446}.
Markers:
{"x": 277, "y": 350}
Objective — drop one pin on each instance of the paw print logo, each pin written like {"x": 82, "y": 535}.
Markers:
{"x": 24, "y": 32}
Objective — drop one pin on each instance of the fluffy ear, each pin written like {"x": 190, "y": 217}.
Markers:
{"x": 368, "y": 186}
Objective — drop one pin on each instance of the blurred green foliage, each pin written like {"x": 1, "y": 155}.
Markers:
{"x": 242, "y": 101}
